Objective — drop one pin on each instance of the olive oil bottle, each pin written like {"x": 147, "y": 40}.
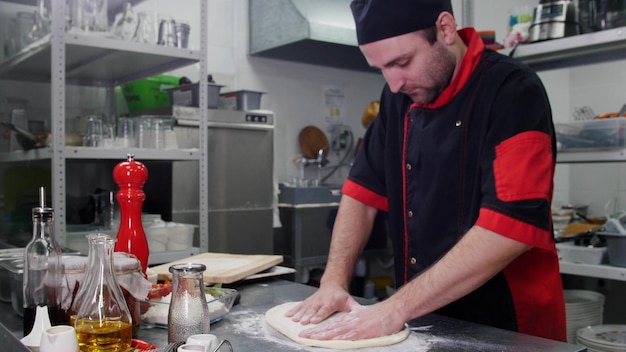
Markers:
{"x": 103, "y": 321}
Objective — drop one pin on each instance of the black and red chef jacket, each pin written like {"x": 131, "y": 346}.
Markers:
{"x": 483, "y": 153}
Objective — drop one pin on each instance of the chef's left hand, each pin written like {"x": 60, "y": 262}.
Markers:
{"x": 362, "y": 322}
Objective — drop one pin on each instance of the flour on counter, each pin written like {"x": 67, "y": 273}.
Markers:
{"x": 254, "y": 325}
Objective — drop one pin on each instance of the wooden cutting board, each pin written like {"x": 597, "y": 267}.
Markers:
{"x": 312, "y": 139}
{"x": 222, "y": 267}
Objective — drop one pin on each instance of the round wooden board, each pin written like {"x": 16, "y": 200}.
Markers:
{"x": 312, "y": 139}
{"x": 370, "y": 114}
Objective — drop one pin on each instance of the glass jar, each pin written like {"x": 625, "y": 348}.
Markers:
{"x": 188, "y": 312}
{"x": 103, "y": 321}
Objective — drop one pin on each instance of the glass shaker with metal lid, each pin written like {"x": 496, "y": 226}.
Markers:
{"x": 42, "y": 267}
{"x": 188, "y": 311}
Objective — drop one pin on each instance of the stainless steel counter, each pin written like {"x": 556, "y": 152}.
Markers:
{"x": 245, "y": 328}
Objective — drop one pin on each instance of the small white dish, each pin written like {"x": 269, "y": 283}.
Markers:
{"x": 210, "y": 341}
{"x": 191, "y": 348}
{"x": 59, "y": 338}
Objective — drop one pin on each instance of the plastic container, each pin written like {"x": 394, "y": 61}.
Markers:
{"x": 149, "y": 93}
{"x": 169, "y": 236}
{"x": 571, "y": 253}
{"x": 157, "y": 239}
{"x": 241, "y": 100}
{"x": 608, "y": 133}
{"x": 16, "y": 279}
{"x": 7, "y": 255}
{"x": 188, "y": 95}
{"x": 616, "y": 249}
{"x": 180, "y": 237}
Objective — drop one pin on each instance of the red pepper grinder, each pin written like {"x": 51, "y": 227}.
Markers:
{"x": 130, "y": 176}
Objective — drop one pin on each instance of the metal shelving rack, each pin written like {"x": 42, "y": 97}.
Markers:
{"x": 584, "y": 49}
{"x": 63, "y": 58}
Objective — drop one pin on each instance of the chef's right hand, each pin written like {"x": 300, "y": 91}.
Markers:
{"x": 328, "y": 299}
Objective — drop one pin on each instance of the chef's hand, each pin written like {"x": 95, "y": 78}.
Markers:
{"x": 362, "y": 322}
{"x": 328, "y": 299}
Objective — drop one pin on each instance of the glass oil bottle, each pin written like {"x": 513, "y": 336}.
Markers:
{"x": 42, "y": 268}
{"x": 103, "y": 321}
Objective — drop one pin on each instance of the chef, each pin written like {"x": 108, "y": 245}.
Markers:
{"x": 461, "y": 158}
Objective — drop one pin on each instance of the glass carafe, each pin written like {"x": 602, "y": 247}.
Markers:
{"x": 189, "y": 312}
{"x": 103, "y": 321}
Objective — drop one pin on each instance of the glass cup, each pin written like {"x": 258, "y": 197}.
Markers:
{"x": 125, "y": 135}
{"x": 126, "y": 24}
{"x": 12, "y": 40}
{"x": 148, "y": 29}
{"x": 93, "y": 15}
{"x": 25, "y": 23}
{"x": 141, "y": 126}
{"x": 93, "y": 132}
{"x": 105, "y": 209}
{"x": 108, "y": 135}
{"x": 171, "y": 141}
{"x": 156, "y": 133}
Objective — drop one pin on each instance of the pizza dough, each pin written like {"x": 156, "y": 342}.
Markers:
{"x": 276, "y": 318}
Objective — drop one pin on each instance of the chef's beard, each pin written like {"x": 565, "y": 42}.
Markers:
{"x": 440, "y": 73}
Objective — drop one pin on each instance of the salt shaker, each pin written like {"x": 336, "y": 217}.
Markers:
{"x": 189, "y": 312}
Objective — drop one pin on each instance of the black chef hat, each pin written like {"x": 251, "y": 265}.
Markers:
{"x": 382, "y": 19}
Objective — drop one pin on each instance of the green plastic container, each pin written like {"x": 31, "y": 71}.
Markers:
{"x": 149, "y": 93}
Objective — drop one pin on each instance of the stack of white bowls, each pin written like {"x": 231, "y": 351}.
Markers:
{"x": 582, "y": 308}
{"x": 603, "y": 338}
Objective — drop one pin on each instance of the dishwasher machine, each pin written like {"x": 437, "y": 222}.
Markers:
{"x": 240, "y": 156}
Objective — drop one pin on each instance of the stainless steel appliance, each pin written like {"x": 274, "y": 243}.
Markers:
{"x": 554, "y": 19}
{"x": 240, "y": 178}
